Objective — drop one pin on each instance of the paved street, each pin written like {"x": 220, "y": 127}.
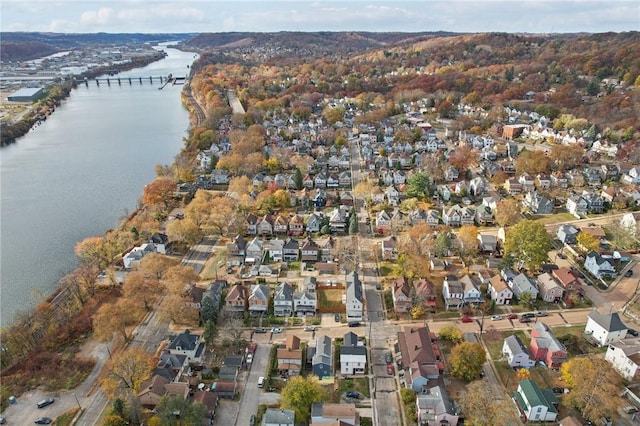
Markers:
{"x": 250, "y": 393}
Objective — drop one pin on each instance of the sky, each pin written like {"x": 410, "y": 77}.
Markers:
{"x": 197, "y": 16}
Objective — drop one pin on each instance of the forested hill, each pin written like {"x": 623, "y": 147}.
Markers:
{"x": 20, "y": 46}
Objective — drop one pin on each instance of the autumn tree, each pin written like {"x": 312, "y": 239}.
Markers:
{"x": 113, "y": 420}
{"x": 240, "y": 185}
{"x": 442, "y": 244}
{"x": 299, "y": 394}
{"x": 116, "y": 317}
{"x": 508, "y": 212}
{"x": 532, "y": 162}
{"x": 450, "y": 333}
{"x": 588, "y": 242}
{"x": 529, "y": 243}
{"x": 155, "y": 264}
{"x": 333, "y": 114}
{"x": 467, "y": 360}
{"x": 211, "y": 212}
{"x": 178, "y": 279}
{"x": 101, "y": 251}
{"x": 566, "y": 157}
{"x": 462, "y": 158}
{"x": 363, "y": 190}
{"x": 140, "y": 289}
{"x": 184, "y": 230}
{"x": 522, "y": 374}
{"x": 160, "y": 191}
{"x": 126, "y": 371}
{"x": 483, "y": 404}
{"x": 468, "y": 239}
{"x": 594, "y": 386}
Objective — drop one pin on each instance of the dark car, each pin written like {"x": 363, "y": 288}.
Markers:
{"x": 528, "y": 315}
{"x": 628, "y": 273}
{"x": 252, "y": 421}
{"x": 353, "y": 394}
{"x": 632, "y": 332}
{"x": 388, "y": 358}
{"x": 512, "y": 316}
{"x": 260, "y": 330}
{"x": 45, "y": 402}
{"x": 525, "y": 319}
{"x": 336, "y": 317}
{"x": 354, "y": 324}
{"x": 558, "y": 390}
{"x": 43, "y": 421}
{"x": 562, "y": 255}
{"x": 2, "y": 420}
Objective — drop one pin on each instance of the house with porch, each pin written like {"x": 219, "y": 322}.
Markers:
{"x": 453, "y": 293}
{"x": 624, "y": 357}
{"x": 550, "y": 289}
{"x": 258, "y": 300}
{"x": 599, "y": 266}
{"x": 236, "y": 299}
{"x": 544, "y": 346}
{"x": 289, "y": 357}
{"x": 499, "y": 291}
{"x": 420, "y": 358}
{"x": 283, "y": 300}
{"x": 536, "y": 404}
{"x": 434, "y": 407}
{"x": 516, "y": 353}
{"x": 604, "y": 329}
{"x": 401, "y": 294}
{"x": 425, "y": 292}
{"x": 354, "y": 298}
{"x": 353, "y": 355}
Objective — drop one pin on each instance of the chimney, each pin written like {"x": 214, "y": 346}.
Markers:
{"x": 417, "y": 347}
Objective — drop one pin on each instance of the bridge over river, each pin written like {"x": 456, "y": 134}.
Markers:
{"x": 163, "y": 81}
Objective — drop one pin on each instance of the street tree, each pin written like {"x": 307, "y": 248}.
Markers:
{"x": 173, "y": 308}
{"x": 484, "y": 404}
{"x": 463, "y": 158}
{"x": 140, "y": 289}
{"x": 179, "y": 279}
{"x": 155, "y": 264}
{"x": 526, "y": 299}
{"x": 297, "y": 178}
{"x": 565, "y": 157}
{"x": 528, "y": 243}
{"x": 450, "y": 333}
{"x": 419, "y": 186}
{"x": 114, "y": 420}
{"x": 363, "y": 189}
{"x": 588, "y": 242}
{"x": 185, "y": 230}
{"x": 467, "y": 360}
{"x": 116, "y": 318}
{"x": 126, "y": 371}
{"x": 508, "y": 212}
{"x": 299, "y": 394}
{"x": 594, "y": 386}
{"x": 190, "y": 412}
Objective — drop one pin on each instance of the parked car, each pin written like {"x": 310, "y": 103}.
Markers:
{"x": 2, "y": 420}
{"x": 276, "y": 330}
{"x": 388, "y": 358}
{"x": 43, "y": 421}
{"x": 496, "y": 317}
{"x": 336, "y": 317}
{"x": 628, "y": 273}
{"x": 512, "y": 316}
{"x": 528, "y": 315}
{"x": 260, "y": 330}
{"x": 249, "y": 358}
{"x": 541, "y": 313}
{"x": 353, "y": 394}
{"x": 525, "y": 319}
{"x": 310, "y": 328}
{"x": 630, "y": 409}
{"x": 562, "y": 255}
{"x": 252, "y": 420}
{"x": 354, "y": 324}
{"x": 45, "y": 402}
{"x": 632, "y": 332}
{"x": 558, "y": 390}
{"x": 390, "y": 369}
{"x": 466, "y": 319}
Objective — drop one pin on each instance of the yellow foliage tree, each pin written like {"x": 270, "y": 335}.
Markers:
{"x": 522, "y": 374}
{"x": 125, "y": 373}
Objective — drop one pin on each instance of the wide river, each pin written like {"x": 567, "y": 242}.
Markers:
{"x": 80, "y": 172}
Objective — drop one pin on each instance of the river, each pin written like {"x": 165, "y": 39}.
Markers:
{"x": 81, "y": 171}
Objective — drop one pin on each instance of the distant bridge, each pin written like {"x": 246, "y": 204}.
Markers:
{"x": 163, "y": 81}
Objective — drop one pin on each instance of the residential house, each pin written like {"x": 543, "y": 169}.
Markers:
{"x": 309, "y": 250}
{"x": 237, "y": 246}
{"x": 152, "y": 390}
{"x": 254, "y": 251}
{"x": 577, "y": 206}
{"x": 314, "y": 223}
{"x": 452, "y": 216}
{"x": 624, "y": 356}
{"x": 435, "y": 408}
{"x": 278, "y": 417}
{"x": 521, "y": 284}
{"x": 484, "y": 215}
{"x": 283, "y": 300}
{"x": 291, "y": 250}
{"x": 289, "y": 357}
{"x": 327, "y": 249}
{"x": 354, "y": 298}
{"x": 478, "y": 186}
{"x": 544, "y": 346}
{"x": 451, "y": 174}
{"x": 536, "y": 404}
{"x": 527, "y": 182}
{"x": 536, "y": 203}
{"x": 393, "y": 196}
{"x": 383, "y": 221}
{"x": 275, "y": 249}
{"x": 516, "y": 353}
{"x": 296, "y": 225}
{"x": 471, "y": 293}
{"x": 338, "y": 221}
{"x": 499, "y": 291}
{"x": 550, "y": 290}
{"x": 568, "y": 234}
{"x": 258, "y": 299}
{"x": 334, "y": 414}
{"x": 567, "y": 280}
{"x": 401, "y": 294}
{"x": 252, "y": 224}
{"x": 420, "y": 358}
{"x": 488, "y": 243}
{"x": 632, "y": 177}
{"x": 543, "y": 181}
{"x": 599, "y": 266}
{"x": 389, "y": 248}
{"x": 353, "y": 356}
{"x": 323, "y": 357}
{"x": 134, "y": 257}
{"x": 425, "y": 293}
{"x": 281, "y": 225}
{"x": 512, "y": 186}
{"x": 453, "y": 293}
{"x": 236, "y": 299}
{"x": 266, "y": 225}
{"x": 209, "y": 400}
{"x": 604, "y": 329}
{"x": 305, "y": 303}
{"x": 187, "y": 344}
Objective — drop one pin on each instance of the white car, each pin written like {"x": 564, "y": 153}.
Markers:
{"x": 496, "y": 317}
{"x": 276, "y": 330}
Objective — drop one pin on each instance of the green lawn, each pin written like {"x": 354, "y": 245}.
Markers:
{"x": 358, "y": 384}
{"x": 554, "y": 218}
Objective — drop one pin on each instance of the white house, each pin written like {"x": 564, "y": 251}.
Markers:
{"x": 434, "y": 407}
{"x": 283, "y": 300}
{"x": 624, "y": 356}
{"x": 305, "y": 303}
{"x": 353, "y": 355}
{"x": 453, "y": 293}
{"x": 605, "y": 329}
{"x": 516, "y": 353}
{"x": 137, "y": 253}
{"x": 599, "y": 266}
{"x": 499, "y": 291}
{"x": 521, "y": 284}
{"x": 536, "y": 404}
{"x": 354, "y": 300}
